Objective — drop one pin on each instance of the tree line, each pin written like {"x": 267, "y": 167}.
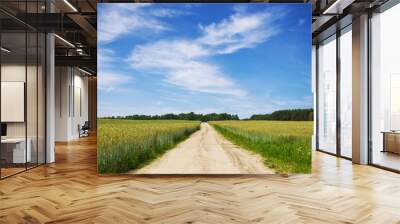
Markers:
{"x": 182, "y": 116}
{"x": 286, "y": 115}
{"x": 280, "y": 115}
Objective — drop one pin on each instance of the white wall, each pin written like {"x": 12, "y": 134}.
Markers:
{"x": 71, "y": 94}
{"x": 80, "y": 109}
{"x": 62, "y": 82}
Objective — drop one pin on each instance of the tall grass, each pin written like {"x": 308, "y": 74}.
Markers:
{"x": 124, "y": 145}
{"x": 284, "y": 145}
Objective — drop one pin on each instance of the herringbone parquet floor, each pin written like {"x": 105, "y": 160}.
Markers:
{"x": 70, "y": 191}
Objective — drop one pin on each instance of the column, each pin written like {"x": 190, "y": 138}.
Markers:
{"x": 360, "y": 90}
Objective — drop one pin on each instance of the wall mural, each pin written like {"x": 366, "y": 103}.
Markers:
{"x": 204, "y": 88}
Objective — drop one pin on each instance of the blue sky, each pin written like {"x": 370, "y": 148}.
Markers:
{"x": 236, "y": 58}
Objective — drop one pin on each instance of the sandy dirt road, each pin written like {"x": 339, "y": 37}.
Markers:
{"x": 206, "y": 152}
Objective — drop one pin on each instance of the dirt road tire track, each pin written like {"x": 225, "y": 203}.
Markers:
{"x": 206, "y": 152}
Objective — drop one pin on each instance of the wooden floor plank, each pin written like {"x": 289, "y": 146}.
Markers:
{"x": 71, "y": 191}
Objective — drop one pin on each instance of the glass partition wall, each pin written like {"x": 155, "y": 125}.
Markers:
{"x": 385, "y": 89}
{"x": 334, "y": 95}
{"x": 334, "y": 104}
{"x": 13, "y": 89}
{"x": 327, "y": 95}
{"x": 345, "y": 90}
{"x": 22, "y": 77}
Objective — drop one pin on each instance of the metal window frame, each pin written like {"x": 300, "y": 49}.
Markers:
{"x": 338, "y": 98}
{"x": 338, "y": 33}
{"x": 341, "y": 31}
{"x": 318, "y": 95}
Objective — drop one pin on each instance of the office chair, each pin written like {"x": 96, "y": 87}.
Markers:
{"x": 84, "y": 130}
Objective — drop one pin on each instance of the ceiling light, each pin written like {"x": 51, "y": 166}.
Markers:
{"x": 337, "y": 7}
{"x": 84, "y": 71}
{"x": 65, "y": 41}
{"x": 333, "y": 6}
{"x": 70, "y": 5}
{"x": 79, "y": 51}
{"x": 5, "y": 50}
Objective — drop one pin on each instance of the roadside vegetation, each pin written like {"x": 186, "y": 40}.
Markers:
{"x": 124, "y": 145}
{"x": 285, "y": 145}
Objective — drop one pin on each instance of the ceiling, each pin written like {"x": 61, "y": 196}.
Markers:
{"x": 331, "y": 15}
{"x": 73, "y": 21}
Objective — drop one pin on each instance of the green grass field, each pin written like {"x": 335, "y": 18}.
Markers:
{"x": 123, "y": 145}
{"x": 285, "y": 145}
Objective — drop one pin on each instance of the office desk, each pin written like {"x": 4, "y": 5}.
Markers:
{"x": 13, "y": 150}
{"x": 391, "y": 141}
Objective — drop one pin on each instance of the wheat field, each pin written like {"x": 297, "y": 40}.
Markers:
{"x": 284, "y": 145}
{"x": 124, "y": 145}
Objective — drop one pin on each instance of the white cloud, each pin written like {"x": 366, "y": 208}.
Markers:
{"x": 110, "y": 81}
{"x": 186, "y": 63}
{"x": 182, "y": 64}
{"x": 168, "y": 54}
{"x": 239, "y": 31}
{"x": 167, "y": 13}
{"x": 118, "y": 19}
{"x": 202, "y": 77}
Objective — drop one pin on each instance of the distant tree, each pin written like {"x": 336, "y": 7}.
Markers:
{"x": 182, "y": 116}
{"x": 286, "y": 115}
{"x": 280, "y": 115}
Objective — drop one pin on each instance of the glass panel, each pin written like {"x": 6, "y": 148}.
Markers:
{"x": 32, "y": 88}
{"x": 13, "y": 88}
{"x": 23, "y": 90}
{"x": 327, "y": 95}
{"x": 31, "y": 98}
{"x": 346, "y": 93}
{"x": 41, "y": 99}
{"x": 385, "y": 82}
